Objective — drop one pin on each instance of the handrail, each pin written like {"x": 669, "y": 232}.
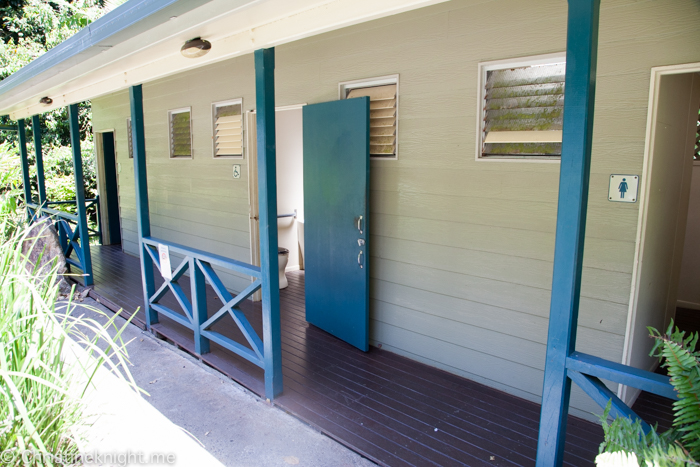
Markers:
{"x": 195, "y": 317}
{"x": 623, "y": 374}
{"x": 42, "y": 208}
{"x": 202, "y": 255}
{"x": 88, "y": 202}
{"x": 68, "y": 237}
{"x": 54, "y": 212}
{"x": 588, "y": 371}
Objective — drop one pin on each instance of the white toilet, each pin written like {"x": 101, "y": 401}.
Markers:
{"x": 283, "y": 258}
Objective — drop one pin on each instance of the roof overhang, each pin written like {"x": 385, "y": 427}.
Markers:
{"x": 140, "y": 42}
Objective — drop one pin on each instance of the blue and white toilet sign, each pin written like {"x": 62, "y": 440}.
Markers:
{"x": 623, "y": 188}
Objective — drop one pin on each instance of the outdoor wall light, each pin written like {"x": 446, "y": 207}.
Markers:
{"x": 46, "y": 100}
{"x": 196, "y": 47}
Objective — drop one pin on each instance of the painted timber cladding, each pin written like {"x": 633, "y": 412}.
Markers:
{"x": 462, "y": 249}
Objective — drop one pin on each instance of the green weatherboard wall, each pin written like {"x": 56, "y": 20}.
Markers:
{"x": 462, "y": 250}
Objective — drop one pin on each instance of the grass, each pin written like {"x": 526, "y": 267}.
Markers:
{"x": 42, "y": 376}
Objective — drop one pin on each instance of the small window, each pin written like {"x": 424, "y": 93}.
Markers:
{"x": 180, "y": 133}
{"x": 228, "y": 128}
{"x": 128, "y": 137}
{"x": 383, "y": 112}
{"x": 522, "y": 109}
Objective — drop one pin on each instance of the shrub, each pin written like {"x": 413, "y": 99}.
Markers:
{"x": 680, "y": 445}
{"x": 41, "y": 379}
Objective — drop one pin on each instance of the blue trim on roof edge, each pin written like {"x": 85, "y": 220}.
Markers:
{"x": 108, "y": 26}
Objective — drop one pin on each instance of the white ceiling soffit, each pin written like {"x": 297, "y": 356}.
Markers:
{"x": 234, "y": 27}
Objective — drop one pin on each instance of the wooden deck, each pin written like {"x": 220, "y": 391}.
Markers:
{"x": 392, "y": 410}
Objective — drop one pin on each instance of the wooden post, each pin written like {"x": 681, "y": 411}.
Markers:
{"x": 22, "y": 135}
{"x": 85, "y": 259}
{"x": 581, "y": 56}
{"x": 267, "y": 201}
{"x": 198, "y": 287}
{"x": 36, "y": 130}
{"x": 143, "y": 218}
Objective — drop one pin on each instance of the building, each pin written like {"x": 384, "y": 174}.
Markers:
{"x": 462, "y": 216}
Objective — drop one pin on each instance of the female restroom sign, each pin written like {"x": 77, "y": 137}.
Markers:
{"x": 623, "y": 188}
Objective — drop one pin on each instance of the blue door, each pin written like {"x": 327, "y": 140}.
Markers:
{"x": 336, "y": 213}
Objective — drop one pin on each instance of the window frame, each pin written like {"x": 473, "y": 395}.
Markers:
{"x": 170, "y": 134}
{"x": 347, "y": 86}
{"x": 483, "y": 68}
{"x": 214, "y": 105}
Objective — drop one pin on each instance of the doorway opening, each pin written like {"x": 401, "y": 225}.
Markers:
{"x": 108, "y": 188}
{"x": 669, "y": 215}
{"x": 290, "y": 186}
{"x": 322, "y": 160}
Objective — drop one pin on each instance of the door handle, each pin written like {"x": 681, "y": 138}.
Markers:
{"x": 359, "y": 259}
{"x": 359, "y": 224}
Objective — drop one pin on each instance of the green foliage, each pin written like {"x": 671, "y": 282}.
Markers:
{"x": 58, "y": 172}
{"x": 680, "y": 445}
{"x": 618, "y": 438}
{"x": 29, "y": 29}
{"x": 43, "y": 376}
{"x": 10, "y": 192}
{"x": 653, "y": 449}
{"x": 40, "y": 26}
{"x": 681, "y": 361}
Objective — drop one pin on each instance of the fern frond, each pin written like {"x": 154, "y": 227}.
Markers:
{"x": 683, "y": 365}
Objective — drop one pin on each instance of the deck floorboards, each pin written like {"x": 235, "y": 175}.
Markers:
{"x": 393, "y": 410}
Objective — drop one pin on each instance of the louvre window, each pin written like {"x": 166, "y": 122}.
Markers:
{"x": 180, "y": 133}
{"x": 523, "y": 109}
{"x": 383, "y": 93}
{"x": 382, "y": 118}
{"x": 128, "y": 138}
{"x": 228, "y": 129}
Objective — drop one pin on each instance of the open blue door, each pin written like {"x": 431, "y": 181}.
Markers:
{"x": 336, "y": 213}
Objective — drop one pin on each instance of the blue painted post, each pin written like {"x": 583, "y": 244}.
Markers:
{"x": 85, "y": 259}
{"x": 25, "y": 164}
{"x": 36, "y": 130}
{"x": 581, "y": 55}
{"x": 143, "y": 218}
{"x": 267, "y": 200}
{"x": 199, "y": 306}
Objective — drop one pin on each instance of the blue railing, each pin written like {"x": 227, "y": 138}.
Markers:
{"x": 587, "y": 370}
{"x": 68, "y": 232}
{"x": 36, "y": 210}
{"x": 88, "y": 204}
{"x": 195, "y": 317}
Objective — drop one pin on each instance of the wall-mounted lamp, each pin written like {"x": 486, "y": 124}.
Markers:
{"x": 46, "y": 100}
{"x": 196, "y": 47}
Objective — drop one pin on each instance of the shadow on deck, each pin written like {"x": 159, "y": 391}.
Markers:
{"x": 392, "y": 410}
